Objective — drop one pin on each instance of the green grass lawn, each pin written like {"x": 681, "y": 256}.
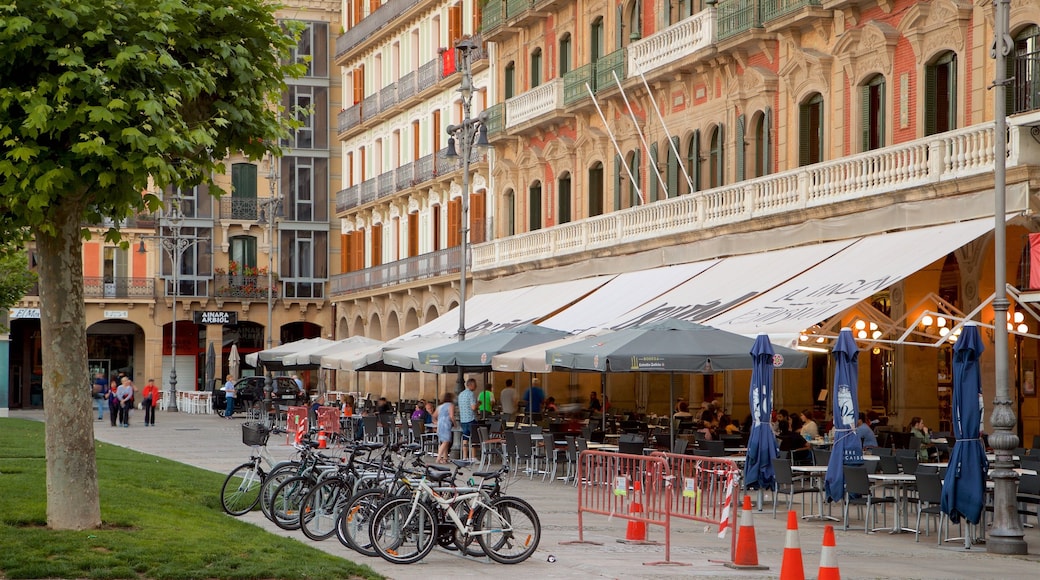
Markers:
{"x": 161, "y": 519}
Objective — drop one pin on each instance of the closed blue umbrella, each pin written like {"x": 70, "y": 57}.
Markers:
{"x": 758, "y": 470}
{"x": 847, "y": 448}
{"x": 964, "y": 489}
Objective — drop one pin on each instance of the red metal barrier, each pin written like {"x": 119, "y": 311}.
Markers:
{"x": 328, "y": 419}
{"x": 607, "y": 486}
{"x": 705, "y": 489}
{"x": 294, "y": 416}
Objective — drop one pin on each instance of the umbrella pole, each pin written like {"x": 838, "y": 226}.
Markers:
{"x": 603, "y": 393}
{"x": 671, "y": 412}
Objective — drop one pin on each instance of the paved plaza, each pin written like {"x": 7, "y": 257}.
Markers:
{"x": 210, "y": 442}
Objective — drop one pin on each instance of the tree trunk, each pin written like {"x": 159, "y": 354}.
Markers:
{"x": 72, "y": 488}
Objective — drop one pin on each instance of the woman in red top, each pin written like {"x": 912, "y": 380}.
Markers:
{"x": 151, "y": 401}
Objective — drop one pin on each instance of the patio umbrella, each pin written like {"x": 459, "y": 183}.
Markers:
{"x": 234, "y": 360}
{"x": 211, "y": 362}
{"x": 758, "y": 470}
{"x": 847, "y": 448}
{"x": 476, "y": 353}
{"x": 272, "y": 358}
{"x": 531, "y": 359}
{"x": 964, "y": 489}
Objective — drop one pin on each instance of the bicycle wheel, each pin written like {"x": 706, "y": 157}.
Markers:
{"x": 352, "y": 525}
{"x": 468, "y": 545}
{"x": 513, "y": 530}
{"x": 321, "y": 508}
{"x": 403, "y": 532}
{"x": 287, "y": 501}
{"x": 277, "y": 477}
{"x": 241, "y": 490}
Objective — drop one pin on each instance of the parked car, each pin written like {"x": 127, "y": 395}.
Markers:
{"x": 249, "y": 392}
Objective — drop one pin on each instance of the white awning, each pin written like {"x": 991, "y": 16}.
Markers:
{"x": 330, "y": 356}
{"x": 272, "y": 358}
{"x": 728, "y": 283}
{"x": 532, "y": 358}
{"x": 868, "y": 266}
{"x": 503, "y": 310}
{"x": 622, "y": 294}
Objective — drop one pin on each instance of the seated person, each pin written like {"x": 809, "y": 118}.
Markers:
{"x": 684, "y": 411}
{"x": 733, "y": 428}
{"x": 866, "y": 434}
{"x": 922, "y": 435}
{"x": 799, "y": 448}
{"x": 550, "y": 405}
{"x": 809, "y": 428}
{"x": 595, "y": 405}
{"x": 383, "y": 407}
{"x": 421, "y": 413}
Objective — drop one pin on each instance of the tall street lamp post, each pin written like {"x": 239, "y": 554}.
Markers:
{"x": 174, "y": 244}
{"x": 462, "y": 140}
{"x": 1006, "y": 536}
{"x": 270, "y": 210}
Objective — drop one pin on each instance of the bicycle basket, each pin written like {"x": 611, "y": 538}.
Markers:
{"x": 255, "y": 433}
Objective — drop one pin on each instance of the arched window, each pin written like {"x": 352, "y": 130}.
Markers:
{"x": 872, "y": 113}
{"x": 595, "y": 188}
{"x": 940, "y": 94}
{"x": 762, "y": 146}
{"x": 509, "y": 205}
{"x": 633, "y": 26}
{"x": 596, "y": 39}
{"x": 810, "y": 130}
{"x": 716, "y": 158}
{"x": 536, "y": 67}
{"x": 534, "y": 206}
{"x": 693, "y": 160}
{"x": 563, "y": 199}
{"x": 565, "y": 54}
{"x": 509, "y": 79}
{"x": 1025, "y": 68}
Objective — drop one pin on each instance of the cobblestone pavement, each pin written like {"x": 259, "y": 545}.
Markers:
{"x": 213, "y": 443}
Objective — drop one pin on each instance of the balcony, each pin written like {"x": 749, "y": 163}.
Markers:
{"x": 574, "y": 89}
{"x": 146, "y": 221}
{"x": 947, "y": 157}
{"x": 421, "y": 267}
{"x": 491, "y": 17}
{"x": 404, "y": 176}
{"x": 737, "y": 16}
{"x": 304, "y": 288}
{"x": 607, "y": 67}
{"x": 348, "y": 198}
{"x": 408, "y": 86}
{"x": 385, "y": 183}
{"x": 517, "y": 8}
{"x": 369, "y": 188}
{"x": 494, "y": 118}
{"x": 773, "y": 9}
{"x": 425, "y": 170}
{"x": 370, "y": 107}
{"x": 243, "y": 287}
{"x": 673, "y": 43}
{"x": 118, "y": 288}
{"x": 371, "y": 24}
{"x": 239, "y": 208}
{"x": 534, "y": 103}
{"x": 387, "y": 97}
{"x": 349, "y": 118}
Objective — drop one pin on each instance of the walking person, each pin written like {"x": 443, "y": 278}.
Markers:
{"x": 467, "y": 415}
{"x": 125, "y": 395}
{"x": 149, "y": 402}
{"x": 99, "y": 392}
{"x": 229, "y": 396}
{"x": 113, "y": 402}
{"x": 445, "y": 418}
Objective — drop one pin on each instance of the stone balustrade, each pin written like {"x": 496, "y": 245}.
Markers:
{"x": 534, "y": 103}
{"x": 673, "y": 43}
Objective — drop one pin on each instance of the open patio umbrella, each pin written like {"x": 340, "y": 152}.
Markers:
{"x": 964, "y": 490}
{"x": 476, "y": 353}
{"x": 847, "y": 448}
{"x": 531, "y": 359}
{"x": 758, "y": 469}
{"x": 234, "y": 360}
{"x": 211, "y": 363}
{"x": 272, "y": 358}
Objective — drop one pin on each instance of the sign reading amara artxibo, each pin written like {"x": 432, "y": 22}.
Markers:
{"x": 216, "y": 317}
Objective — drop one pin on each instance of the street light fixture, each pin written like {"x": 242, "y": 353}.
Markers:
{"x": 462, "y": 139}
{"x": 174, "y": 245}
{"x": 270, "y": 211}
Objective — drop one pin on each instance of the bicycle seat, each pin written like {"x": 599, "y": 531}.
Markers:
{"x": 487, "y": 474}
{"x": 462, "y": 462}
{"x": 438, "y": 468}
{"x": 438, "y": 476}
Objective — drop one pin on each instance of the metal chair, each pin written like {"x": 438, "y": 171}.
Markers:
{"x": 679, "y": 448}
{"x": 929, "y": 495}
{"x": 859, "y": 491}
{"x": 490, "y": 447}
{"x": 370, "y": 425}
{"x": 785, "y": 483}
{"x": 821, "y": 456}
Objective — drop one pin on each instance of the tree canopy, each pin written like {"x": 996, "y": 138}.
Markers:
{"x": 102, "y": 101}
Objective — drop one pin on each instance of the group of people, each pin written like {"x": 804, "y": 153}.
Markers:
{"x": 120, "y": 395}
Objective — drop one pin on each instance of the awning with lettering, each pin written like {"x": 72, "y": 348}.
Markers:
{"x": 864, "y": 268}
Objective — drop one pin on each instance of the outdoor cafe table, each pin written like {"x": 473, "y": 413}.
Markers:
{"x": 817, "y": 473}
{"x": 602, "y": 447}
{"x": 900, "y": 481}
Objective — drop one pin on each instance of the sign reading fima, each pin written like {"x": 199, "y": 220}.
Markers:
{"x": 216, "y": 317}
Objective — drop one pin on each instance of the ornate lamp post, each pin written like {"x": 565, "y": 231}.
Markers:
{"x": 463, "y": 138}
{"x": 270, "y": 210}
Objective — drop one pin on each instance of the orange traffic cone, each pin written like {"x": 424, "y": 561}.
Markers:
{"x": 828, "y": 559}
{"x": 746, "y": 555}
{"x": 636, "y": 530}
{"x": 323, "y": 442}
{"x": 791, "y": 568}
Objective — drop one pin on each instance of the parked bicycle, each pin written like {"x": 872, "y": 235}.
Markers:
{"x": 240, "y": 492}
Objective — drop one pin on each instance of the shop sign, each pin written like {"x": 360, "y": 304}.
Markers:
{"x": 117, "y": 314}
{"x": 25, "y": 313}
{"x": 216, "y": 317}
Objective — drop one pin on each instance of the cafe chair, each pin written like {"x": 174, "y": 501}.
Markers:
{"x": 679, "y": 448}
{"x": 821, "y": 456}
{"x": 859, "y": 491}
{"x": 525, "y": 453}
{"x": 1029, "y": 496}
{"x": 630, "y": 444}
{"x": 929, "y": 494}
{"x": 785, "y": 483}
{"x": 490, "y": 447}
{"x": 710, "y": 448}
{"x": 370, "y": 425}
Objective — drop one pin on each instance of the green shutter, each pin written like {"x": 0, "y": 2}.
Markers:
{"x": 803, "y": 134}
{"x": 617, "y": 183}
{"x": 952, "y": 88}
{"x": 633, "y": 191}
{"x": 695, "y": 160}
{"x": 653, "y": 185}
{"x": 673, "y": 169}
{"x": 720, "y": 167}
{"x": 864, "y": 100}
{"x": 929, "y": 99}
{"x": 618, "y": 28}
{"x": 882, "y": 105}
{"x": 740, "y": 152}
{"x": 767, "y": 145}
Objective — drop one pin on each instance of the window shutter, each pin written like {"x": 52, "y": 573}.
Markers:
{"x": 344, "y": 255}
{"x": 617, "y": 183}
{"x": 477, "y": 213}
{"x": 767, "y": 145}
{"x": 803, "y": 135}
{"x": 695, "y": 160}
{"x": 740, "y": 150}
{"x": 357, "y": 248}
{"x": 534, "y": 202}
{"x": 881, "y": 120}
{"x": 454, "y": 24}
{"x": 454, "y": 222}
{"x": 654, "y": 184}
{"x": 929, "y": 99}
{"x": 377, "y": 244}
{"x": 619, "y": 30}
{"x": 673, "y": 169}
{"x": 637, "y": 179}
{"x": 720, "y": 167}
{"x": 864, "y": 101}
{"x": 952, "y": 88}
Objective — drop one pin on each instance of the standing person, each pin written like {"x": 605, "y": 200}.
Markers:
{"x": 99, "y": 392}
{"x": 508, "y": 397}
{"x": 125, "y": 395}
{"x": 467, "y": 415}
{"x": 595, "y": 405}
{"x": 301, "y": 393}
{"x": 150, "y": 402}
{"x": 486, "y": 401}
{"x": 445, "y": 418}
{"x": 229, "y": 396}
{"x": 113, "y": 402}
{"x": 533, "y": 397}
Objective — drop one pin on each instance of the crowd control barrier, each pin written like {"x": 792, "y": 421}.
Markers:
{"x": 654, "y": 489}
{"x": 295, "y": 420}
{"x": 328, "y": 419}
